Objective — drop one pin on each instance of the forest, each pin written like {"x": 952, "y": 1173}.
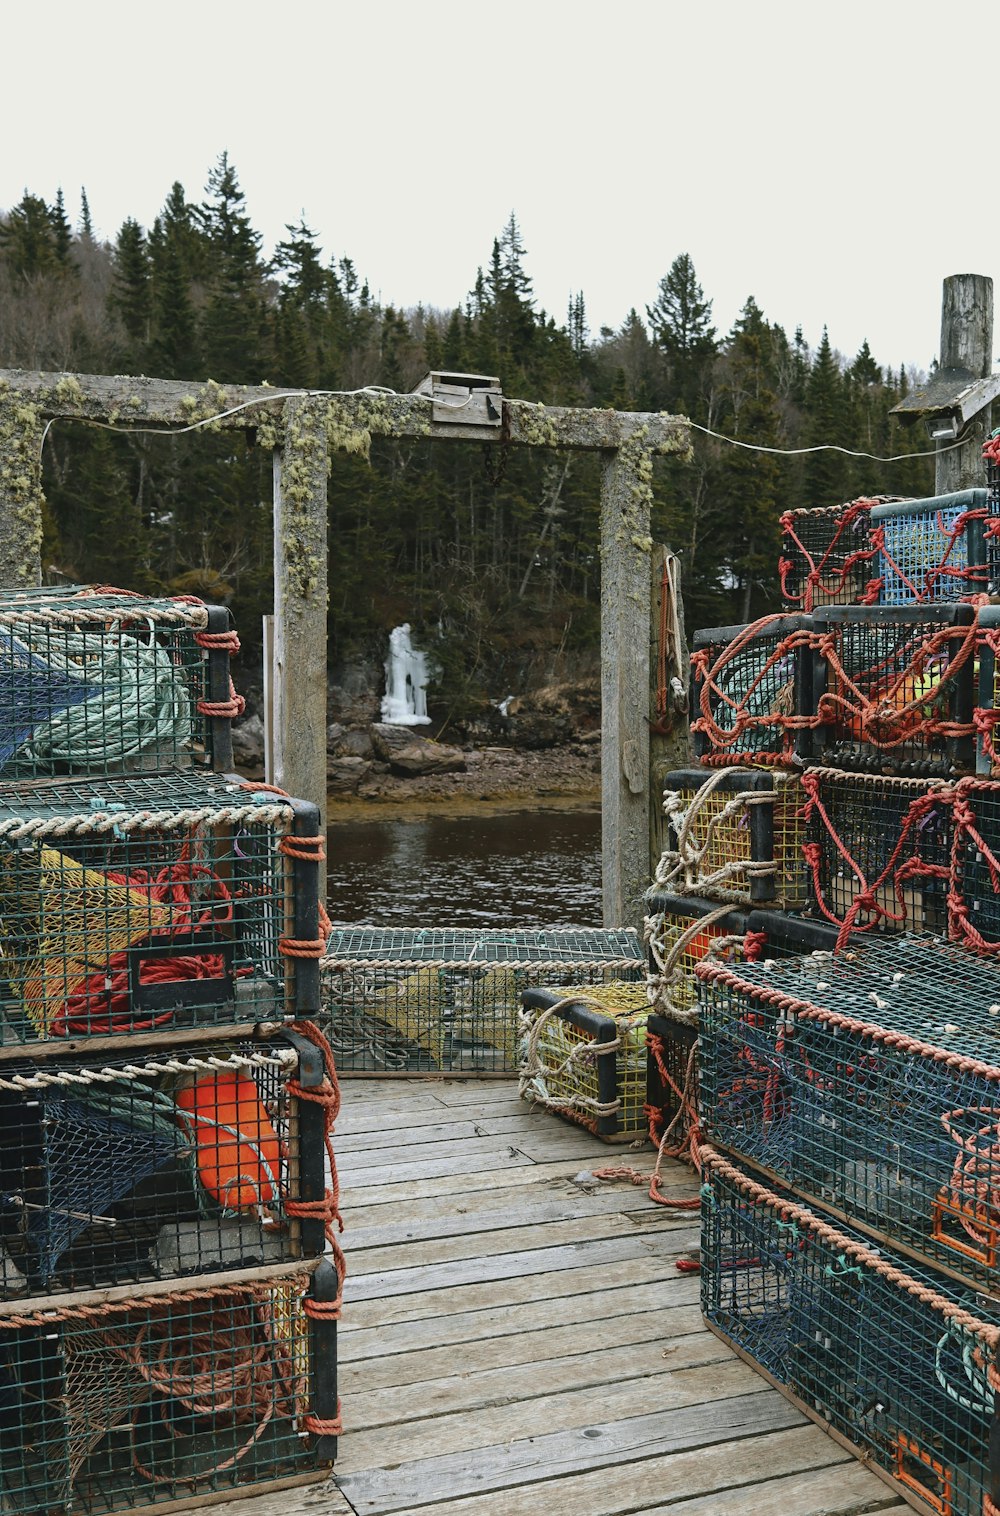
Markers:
{"x": 492, "y": 558}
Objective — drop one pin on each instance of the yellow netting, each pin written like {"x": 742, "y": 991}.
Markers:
{"x": 83, "y": 918}
{"x": 412, "y": 1007}
{"x": 559, "y": 1070}
{"x": 716, "y": 858}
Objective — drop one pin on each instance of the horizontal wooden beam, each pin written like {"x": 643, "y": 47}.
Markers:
{"x": 352, "y": 419}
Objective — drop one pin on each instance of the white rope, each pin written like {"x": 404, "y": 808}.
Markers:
{"x": 80, "y": 611}
{"x": 20, "y": 828}
{"x": 279, "y": 1059}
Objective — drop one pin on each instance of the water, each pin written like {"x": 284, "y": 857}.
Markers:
{"x": 533, "y": 868}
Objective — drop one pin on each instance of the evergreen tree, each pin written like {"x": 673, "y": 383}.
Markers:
{"x": 233, "y": 325}
{"x": 131, "y": 291}
{"x": 680, "y": 321}
{"x": 174, "y": 256}
{"x": 27, "y": 239}
{"x": 86, "y": 224}
{"x": 62, "y": 232}
{"x": 827, "y": 473}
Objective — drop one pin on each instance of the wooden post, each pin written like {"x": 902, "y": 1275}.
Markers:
{"x": 20, "y": 491}
{"x": 300, "y": 599}
{"x": 966, "y": 343}
{"x": 669, "y": 734}
{"x": 625, "y": 609}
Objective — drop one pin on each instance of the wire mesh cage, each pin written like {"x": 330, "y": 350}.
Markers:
{"x": 146, "y": 904}
{"x": 125, "y": 1405}
{"x": 403, "y": 1001}
{"x": 900, "y": 1363}
{"x": 877, "y": 849}
{"x": 986, "y": 715}
{"x": 750, "y": 691}
{"x": 736, "y": 835}
{"x": 934, "y": 549}
{"x": 583, "y": 1056}
{"x": 105, "y": 682}
{"x": 679, "y": 931}
{"x": 893, "y": 689}
{"x": 866, "y": 1082}
{"x": 671, "y": 1081}
{"x": 974, "y": 894}
{"x": 159, "y": 1164}
{"x": 827, "y": 556}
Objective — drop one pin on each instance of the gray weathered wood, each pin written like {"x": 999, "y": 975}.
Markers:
{"x": 300, "y": 599}
{"x": 966, "y": 343}
{"x": 504, "y": 1465}
{"x": 133, "y": 401}
{"x": 624, "y": 1488}
{"x": 669, "y": 731}
{"x": 21, "y": 429}
{"x": 625, "y": 605}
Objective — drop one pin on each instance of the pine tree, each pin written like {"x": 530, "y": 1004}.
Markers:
{"x": 680, "y": 321}
{"x": 86, "y": 224}
{"x": 62, "y": 232}
{"x": 233, "y": 326}
{"x": 173, "y": 246}
{"x": 27, "y": 239}
{"x": 131, "y": 292}
{"x": 827, "y": 473}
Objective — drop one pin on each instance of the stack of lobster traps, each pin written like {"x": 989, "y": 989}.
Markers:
{"x": 170, "y": 1280}
{"x": 825, "y": 936}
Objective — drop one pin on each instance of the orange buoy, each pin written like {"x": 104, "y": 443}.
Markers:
{"x": 238, "y": 1152}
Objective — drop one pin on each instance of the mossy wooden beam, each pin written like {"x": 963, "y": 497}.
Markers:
{"x": 301, "y": 465}
{"x": 20, "y": 489}
{"x": 136, "y": 401}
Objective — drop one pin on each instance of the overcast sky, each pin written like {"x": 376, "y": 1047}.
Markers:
{"x": 833, "y": 162}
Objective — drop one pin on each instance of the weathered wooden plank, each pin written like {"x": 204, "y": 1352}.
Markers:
{"x": 468, "y": 1431}
{"x": 624, "y": 1488}
{"x": 21, "y": 426}
{"x": 485, "y": 1388}
{"x": 516, "y": 1174}
{"x": 534, "y": 1455}
{"x": 365, "y": 1335}
{"x": 422, "y": 1133}
{"x": 309, "y": 1500}
{"x": 136, "y": 401}
{"x": 512, "y": 1240}
{"x": 417, "y": 1222}
{"x": 966, "y": 343}
{"x": 638, "y": 1270}
{"x": 626, "y": 497}
{"x": 299, "y": 682}
{"x": 413, "y": 1365}
{"x": 529, "y": 1263}
{"x": 371, "y": 1167}
{"x": 843, "y": 1490}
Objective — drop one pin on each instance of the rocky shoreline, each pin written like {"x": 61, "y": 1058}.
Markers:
{"x": 386, "y": 769}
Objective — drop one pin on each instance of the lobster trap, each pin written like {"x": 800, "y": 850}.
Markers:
{"x": 877, "y": 850}
{"x": 124, "y": 1405}
{"x": 868, "y": 1083}
{"x": 161, "y": 1164}
{"x": 987, "y": 712}
{"x": 751, "y": 692}
{"x": 934, "y": 550}
{"x": 827, "y": 555}
{"x": 679, "y": 931}
{"x": 404, "y": 1001}
{"x": 582, "y": 1054}
{"x": 974, "y": 897}
{"x": 133, "y": 905}
{"x": 897, "y": 1363}
{"x": 735, "y": 836}
{"x": 96, "y": 682}
{"x": 893, "y": 689}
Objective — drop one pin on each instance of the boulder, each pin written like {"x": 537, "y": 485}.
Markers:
{"x": 406, "y": 752}
{"x": 248, "y": 742}
{"x": 343, "y": 775}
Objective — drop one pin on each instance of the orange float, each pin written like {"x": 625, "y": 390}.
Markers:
{"x": 238, "y": 1152}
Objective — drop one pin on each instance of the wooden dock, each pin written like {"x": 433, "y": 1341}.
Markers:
{"x": 517, "y": 1340}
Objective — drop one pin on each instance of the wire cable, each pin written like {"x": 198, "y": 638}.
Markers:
{"x": 822, "y": 447}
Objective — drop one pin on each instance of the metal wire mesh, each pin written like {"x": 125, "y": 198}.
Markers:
{"x": 105, "y": 683}
{"x": 870, "y": 1081}
{"x": 893, "y": 689}
{"x": 152, "y": 1167}
{"x": 890, "y": 1355}
{"x": 409, "y": 1001}
{"x": 932, "y": 550}
{"x": 974, "y": 901}
{"x": 827, "y": 557}
{"x": 878, "y": 850}
{"x": 679, "y": 932}
{"x": 750, "y": 691}
{"x": 736, "y": 836}
{"x": 128, "y": 905}
{"x": 583, "y": 1056}
{"x": 173, "y": 1398}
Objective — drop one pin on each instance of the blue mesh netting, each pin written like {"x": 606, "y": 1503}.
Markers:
{"x": 32, "y": 691}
